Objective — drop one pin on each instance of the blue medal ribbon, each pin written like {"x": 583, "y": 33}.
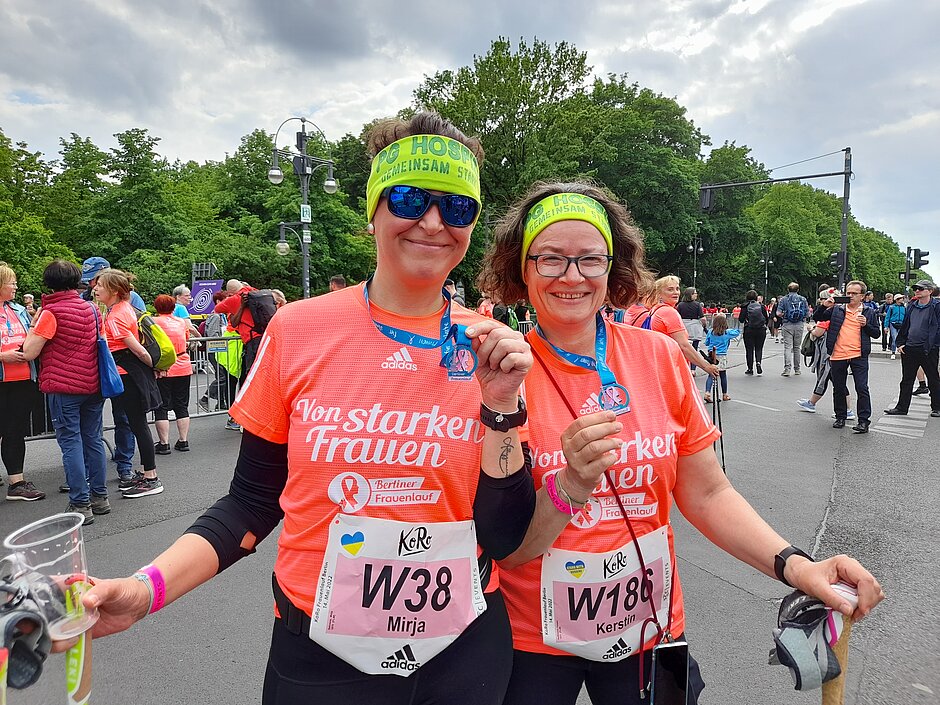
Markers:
{"x": 613, "y": 396}
{"x": 457, "y": 355}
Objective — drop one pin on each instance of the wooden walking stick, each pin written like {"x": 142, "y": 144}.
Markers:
{"x": 833, "y": 692}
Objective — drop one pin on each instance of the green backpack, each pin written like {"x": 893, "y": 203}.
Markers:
{"x": 156, "y": 342}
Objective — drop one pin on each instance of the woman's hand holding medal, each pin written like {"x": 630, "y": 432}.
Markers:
{"x": 504, "y": 359}
{"x": 590, "y": 446}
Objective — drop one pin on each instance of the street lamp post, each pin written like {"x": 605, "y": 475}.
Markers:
{"x": 765, "y": 260}
{"x": 695, "y": 247}
{"x": 304, "y": 166}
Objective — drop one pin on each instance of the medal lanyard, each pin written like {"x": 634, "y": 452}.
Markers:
{"x": 665, "y": 634}
{"x": 613, "y": 396}
{"x": 451, "y": 336}
{"x": 6, "y": 319}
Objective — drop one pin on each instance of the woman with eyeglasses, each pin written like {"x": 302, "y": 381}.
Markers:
{"x": 381, "y": 423}
{"x": 617, "y": 433}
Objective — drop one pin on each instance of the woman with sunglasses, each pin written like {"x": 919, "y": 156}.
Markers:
{"x": 617, "y": 432}
{"x": 390, "y": 448}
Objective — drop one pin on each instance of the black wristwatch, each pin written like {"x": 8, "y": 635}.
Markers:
{"x": 780, "y": 561}
{"x": 502, "y": 422}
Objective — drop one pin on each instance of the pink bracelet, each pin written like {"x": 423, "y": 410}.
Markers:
{"x": 159, "y": 587}
{"x": 559, "y": 503}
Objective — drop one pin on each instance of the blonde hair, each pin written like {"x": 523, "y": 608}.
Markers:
{"x": 719, "y": 324}
{"x": 7, "y": 274}
{"x": 117, "y": 282}
{"x": 653, "y": 294}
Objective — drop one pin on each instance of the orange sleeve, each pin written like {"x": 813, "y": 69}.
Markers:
{"x": 699, "y": 431}
{"x": 670, "y": 320}
{"x": 45, "y": 326}
{"x": 261, "y": 407}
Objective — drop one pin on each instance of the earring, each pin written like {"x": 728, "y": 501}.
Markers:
{"x": 370, "y": 228}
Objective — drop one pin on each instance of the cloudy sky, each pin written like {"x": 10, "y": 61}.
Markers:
{"x": 792, "y": 79}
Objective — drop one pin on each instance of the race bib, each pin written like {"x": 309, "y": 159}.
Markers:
{"x": 392, "y": 594}
{"x": 594, "y": 604}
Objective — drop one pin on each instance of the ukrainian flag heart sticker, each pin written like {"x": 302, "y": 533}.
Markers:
{"x": 353, "y": 542}
{"x": 576, "y": 568}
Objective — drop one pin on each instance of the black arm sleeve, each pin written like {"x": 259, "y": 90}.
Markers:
{"x": 252, "y": 504}
{"x": 503, "y": 508}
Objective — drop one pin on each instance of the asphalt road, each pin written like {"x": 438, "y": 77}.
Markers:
{"x": 874, "y": 497}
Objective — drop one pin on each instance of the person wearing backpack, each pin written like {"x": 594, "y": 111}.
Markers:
{"x": 505, "y": 314}
{"x": 793, "y": 309}
{"x": 135, "y": 364}
{"x": 754, "y": 317}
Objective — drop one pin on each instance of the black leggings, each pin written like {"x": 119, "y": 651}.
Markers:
{"x": 474, "y": 670}
{"x": 754, "y": 344}
{"x": 132, "y": 404}
{"x": 175, "y": 394}
{"x": 542, "y": 679}
{"x": 16, "y": 404}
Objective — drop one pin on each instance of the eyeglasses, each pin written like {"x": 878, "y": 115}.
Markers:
{"x": 918, "y": 288}
{"x": 411, "y": 203}
{"x": 588, "y": 266}
{"x": 854, "y": 293}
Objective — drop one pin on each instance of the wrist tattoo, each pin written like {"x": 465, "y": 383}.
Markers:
{"x": 504, "y": 454}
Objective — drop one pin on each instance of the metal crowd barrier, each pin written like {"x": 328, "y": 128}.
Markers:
{"x": 209, "y": 380}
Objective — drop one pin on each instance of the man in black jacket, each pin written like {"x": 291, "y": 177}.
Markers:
{"x": 852, "y": 328}
{"x": 919, "y": 344}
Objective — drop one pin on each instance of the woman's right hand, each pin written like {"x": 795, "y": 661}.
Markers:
{"x": 590, "y": 446}
{"x": 121, "y": 602}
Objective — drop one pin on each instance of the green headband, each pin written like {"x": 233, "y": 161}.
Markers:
{"x": 432, "y": 162}
{"x": 565, "y": 206}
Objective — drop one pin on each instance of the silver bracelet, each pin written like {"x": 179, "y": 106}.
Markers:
{"x": 567, "y": 497}
{"x": 145, "y": 579}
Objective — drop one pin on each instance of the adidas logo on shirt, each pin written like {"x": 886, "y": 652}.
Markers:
{"x": 618, "y": 650}
{"x": 401, "y": 360}
{"x": 403, "y": 659}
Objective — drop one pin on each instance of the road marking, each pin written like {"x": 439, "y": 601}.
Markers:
{"x": 747, "y": 403}
{"x": 912, "y": 434}
{"x": 913, "y": 425}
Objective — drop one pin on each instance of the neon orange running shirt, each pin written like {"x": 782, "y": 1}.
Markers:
{"x": 373, "y": 427}
{"x": 666, "y": 419}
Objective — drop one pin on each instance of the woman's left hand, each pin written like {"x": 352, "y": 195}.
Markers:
{"x": 817, "y": 579}
{"x": 504, "y": 360}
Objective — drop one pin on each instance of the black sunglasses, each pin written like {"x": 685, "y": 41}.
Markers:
{"x": 411, "y": 202}
{"x": 918, "y": 288}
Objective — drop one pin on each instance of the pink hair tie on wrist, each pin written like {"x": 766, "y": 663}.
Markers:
{"x": 159, "y": 586}
{"x": 552, "y": 490}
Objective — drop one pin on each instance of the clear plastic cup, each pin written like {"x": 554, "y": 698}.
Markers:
{"x": 49, "y": 554}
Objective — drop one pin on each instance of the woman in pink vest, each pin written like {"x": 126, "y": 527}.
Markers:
{"x": 174, "y": 385}
{"x": 64, "y": 337}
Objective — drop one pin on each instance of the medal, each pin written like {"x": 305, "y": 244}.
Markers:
{"x": 614, "y": 397}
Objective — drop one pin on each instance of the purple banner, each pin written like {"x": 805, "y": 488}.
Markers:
{"x": 202, "y": 296}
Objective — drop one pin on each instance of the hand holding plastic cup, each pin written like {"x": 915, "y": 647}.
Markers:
{"x": 50, "y": 556}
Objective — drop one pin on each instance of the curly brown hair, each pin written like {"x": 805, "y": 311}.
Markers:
{"x": 501, "y": 275}
{"x": 384, "y": 132}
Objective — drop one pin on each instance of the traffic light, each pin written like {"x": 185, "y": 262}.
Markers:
{"x": 705, "y": 198}
{"x": 835, "y": 260}
{"x": 920, "y": 258}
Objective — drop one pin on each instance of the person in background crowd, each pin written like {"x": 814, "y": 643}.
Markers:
{"x": 29, "y": 303}
{"x": 18, "y": 389}
{"x": 141, "y": 395}
{"x": 882, "y": 312}
{"x": 482, "y": 491}
{"x": 597, "y": 520}
{"x": 279, "y": 298}
{"x": 241, "y": 320}
{"x": 174, "y": 382}
{"x": 918, "y": 342}
{"x": 870, "y": 300}
{"x": 123, "y": 435}
{"x": 773, "y": 323}
{"x": 65, "y": 338}
{"x": 183, "y": 298}
{"x": 454, "y": 294}
{"x": 793, "y": 309}
{"x": 486, "y": 306}
{"x": 848, "y": 342}
{"x": 659, "y": 305}
{"x": 820, "y": 362}
{"x": 718, "y": 338}
{"x": 222, "y": 388}
{"x": 754, "y": 317}
{"x": 337, "y": 282}
{"x": 522, "y": 310}
{"x": 894, "y": 318}
{"x": 693, "y": 318}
